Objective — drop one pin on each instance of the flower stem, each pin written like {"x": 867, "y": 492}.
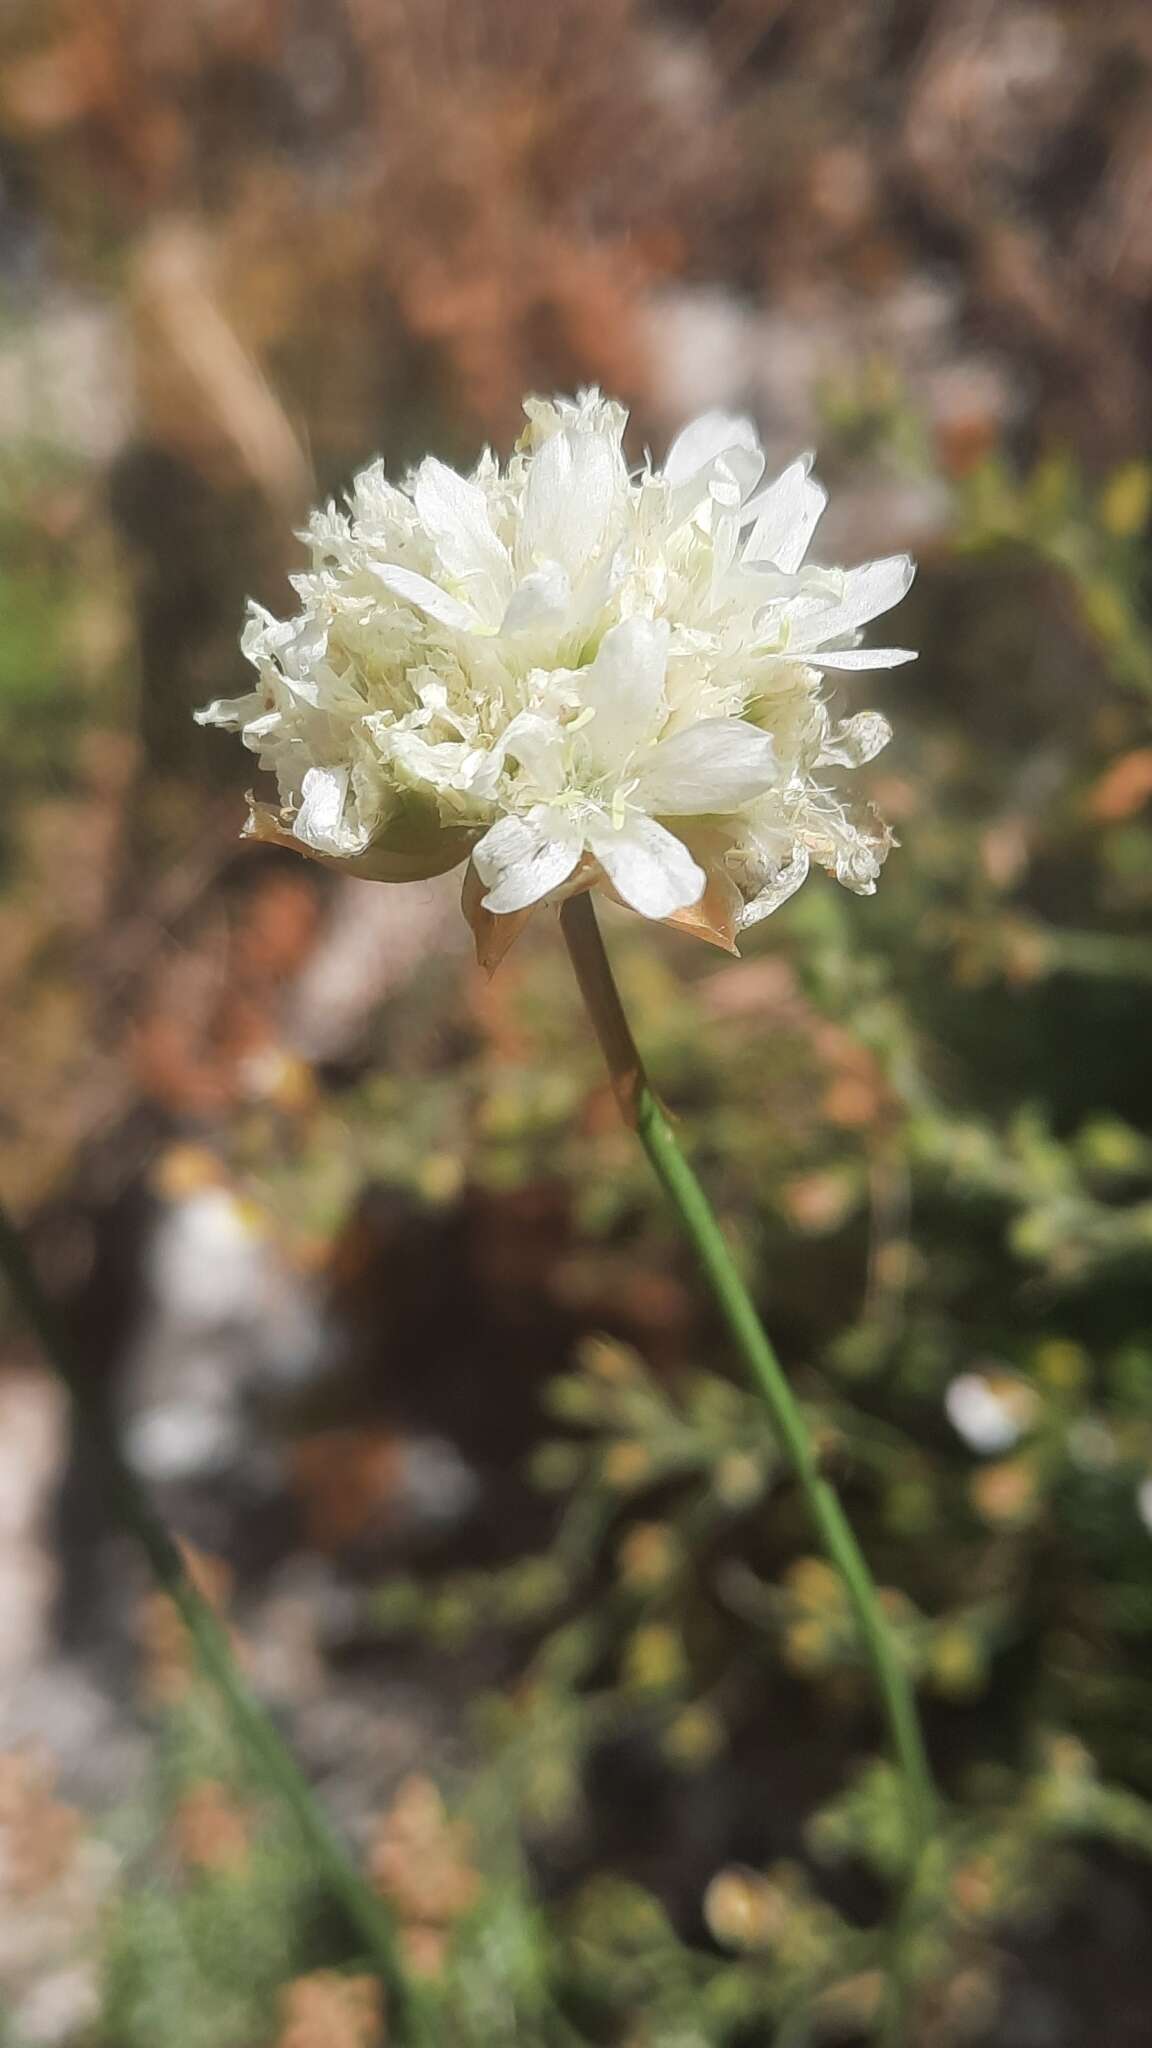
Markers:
{"x": 698, "y": 1222}
{"x": 253, "y": 1726}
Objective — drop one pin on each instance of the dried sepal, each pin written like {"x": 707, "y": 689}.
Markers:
{"x": 382, "y": 862}
{"x": 493, "y": 936}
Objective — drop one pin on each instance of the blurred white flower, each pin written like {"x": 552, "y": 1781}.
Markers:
{"x": 990, "y": 1411}
{"x": 574, "y": 675}
{"x": 1144, "y": 1503}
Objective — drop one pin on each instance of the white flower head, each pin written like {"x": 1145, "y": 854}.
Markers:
{"x": 990, "y": 1410}
{"x": 573, "y": 674}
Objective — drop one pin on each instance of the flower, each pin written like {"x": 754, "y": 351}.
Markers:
{"x": 574, "y": 674}
{"x": 991, "y": 1411}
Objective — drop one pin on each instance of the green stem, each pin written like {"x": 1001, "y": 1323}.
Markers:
{"x": 254, "y": 1728}
{"x": 698, "y": 1222}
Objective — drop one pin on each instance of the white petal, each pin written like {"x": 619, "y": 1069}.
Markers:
{"x": 455, "y": 513}
{"x": 648, "y": 867}
{"x": 258, "y": 730}
{"x": 522, "y": 859}
{"x": 789, "y": 876}
{"x": 787, "y": 514}
{"x": 852, "y": 657}
{"x": 233, "y": 713}
{"x": 735, "y": 474}
{"x": 438, "y": 764}
{"x": 711, "y": 766}
{"x": 428, "y": 597}
{"x": 536, "y": 743}
{"x": 542, "y": 598}
{"x": 320, "y": 821}
{"x": 576, "y": 483}
{"x": 725, "y": 539}
{"x": 858, "y": 740}
{"x": 699, "y": 444}
{"x": 875, "y": 587}
{"x": 624, "y": 687}
{"x": 864, "y": 593}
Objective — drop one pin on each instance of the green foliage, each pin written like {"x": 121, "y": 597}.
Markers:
{"x": 197, "y": 1953}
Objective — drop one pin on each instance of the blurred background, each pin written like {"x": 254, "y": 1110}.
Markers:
{"x": 361, "y": 1261}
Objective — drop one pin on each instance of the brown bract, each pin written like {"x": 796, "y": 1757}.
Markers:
{"x": 413, "y": 859}
{"x": 714, "y": 918}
